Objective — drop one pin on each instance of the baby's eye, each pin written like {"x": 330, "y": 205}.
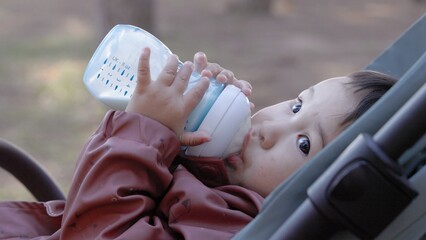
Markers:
{"x": 297, "y": 106}
{"x": 304, "y": 144}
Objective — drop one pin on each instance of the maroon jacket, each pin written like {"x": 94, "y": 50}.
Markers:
{"x": 125, "y": 187}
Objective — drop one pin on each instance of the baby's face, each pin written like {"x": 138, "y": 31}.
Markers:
{"x": 286, "y": 135}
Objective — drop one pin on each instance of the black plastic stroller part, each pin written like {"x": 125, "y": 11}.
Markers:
{"x": 364, "y": 189}
{"x": 23, "y": 167}
{"x": 416, "y": 161}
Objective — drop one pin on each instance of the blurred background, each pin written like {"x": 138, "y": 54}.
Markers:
{"x": 280, "y": 46}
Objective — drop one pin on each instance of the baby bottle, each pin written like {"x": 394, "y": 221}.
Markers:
{"x": 110, "y": 76}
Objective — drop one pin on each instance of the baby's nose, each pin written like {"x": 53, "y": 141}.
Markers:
{"x": 269, "y": 133}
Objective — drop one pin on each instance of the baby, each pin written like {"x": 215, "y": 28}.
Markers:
{"x": 131, "y": 183}
{"x": 285, "y": 135}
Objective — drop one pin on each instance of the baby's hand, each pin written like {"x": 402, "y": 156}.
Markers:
{"x": 163, "y": 99}
{"x": 222, "y": 75}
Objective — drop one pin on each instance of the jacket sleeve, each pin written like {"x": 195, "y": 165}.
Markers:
{"x": 122, "y": 170}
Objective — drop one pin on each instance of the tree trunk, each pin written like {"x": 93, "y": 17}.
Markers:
{"x": 135, "y": 12}
{"x": 252, "y": 6}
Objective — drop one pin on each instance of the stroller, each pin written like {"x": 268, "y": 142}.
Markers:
{"x": 365, "y": 193}
{"x": 369, "y": 183}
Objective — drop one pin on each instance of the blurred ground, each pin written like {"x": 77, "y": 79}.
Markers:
{"x": 46, "y": 44}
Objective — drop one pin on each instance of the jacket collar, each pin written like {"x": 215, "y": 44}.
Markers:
{"x": 210, "y": 171}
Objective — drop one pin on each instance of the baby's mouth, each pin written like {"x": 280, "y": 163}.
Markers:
{"x": 234, "y": 161}
{"x": 237, "y": 158}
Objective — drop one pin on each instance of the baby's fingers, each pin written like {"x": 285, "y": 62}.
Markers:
{"x": 181, "y": 81}
{"x": 144, "y": 75}
{"x": 193, "y": 138}
{"x": 194, "y": 96}
{"x": 200, "y": 61}
{"x": 168, "y": 74}
{"x": 245, "y": 87}
{"x": 228, "y": 77}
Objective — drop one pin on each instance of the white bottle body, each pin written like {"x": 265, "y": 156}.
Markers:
{"x": 111, "y": 77}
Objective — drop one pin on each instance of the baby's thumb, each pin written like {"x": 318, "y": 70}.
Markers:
{"x": 193, "y": 138}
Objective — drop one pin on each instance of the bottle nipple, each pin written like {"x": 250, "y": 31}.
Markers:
{"x": 237, "y": 141}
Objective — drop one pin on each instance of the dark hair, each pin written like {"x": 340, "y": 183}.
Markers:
{"x": 374, "y": 84}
